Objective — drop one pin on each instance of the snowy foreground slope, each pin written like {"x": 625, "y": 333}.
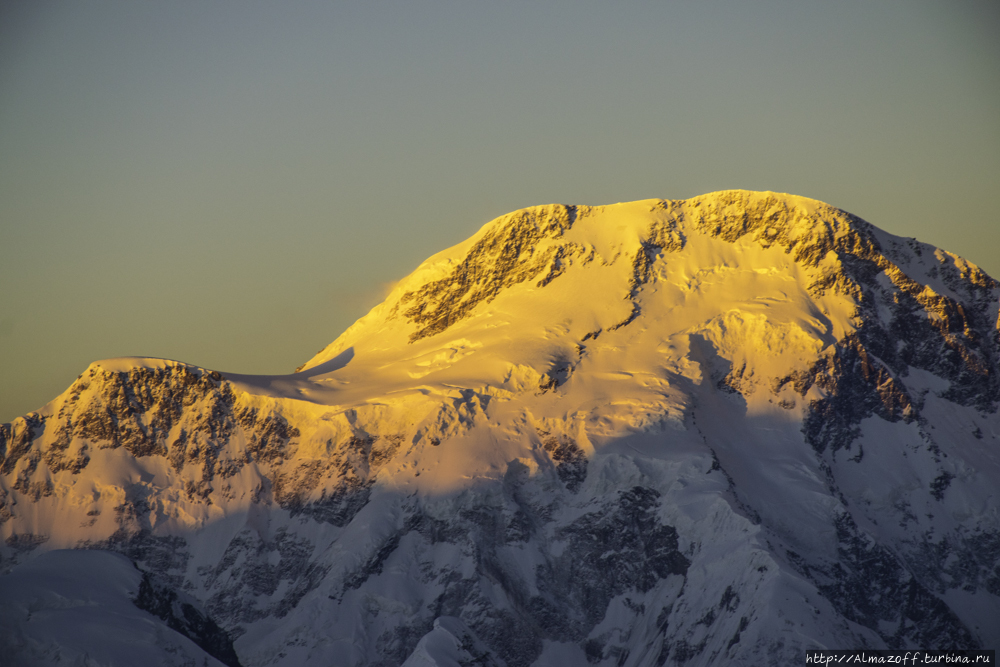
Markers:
{"x": 715, "y": 431}
{"x": 82, "y": 608}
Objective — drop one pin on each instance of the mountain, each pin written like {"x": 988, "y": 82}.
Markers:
{"x": 722, "y": 430}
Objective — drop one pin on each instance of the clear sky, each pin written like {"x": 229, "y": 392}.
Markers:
{"x": 232, "y": 184}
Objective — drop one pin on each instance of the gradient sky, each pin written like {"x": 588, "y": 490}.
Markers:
{"x": 232, "y": 184}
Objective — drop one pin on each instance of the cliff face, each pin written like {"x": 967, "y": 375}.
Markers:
{"x": 666, "y": 432}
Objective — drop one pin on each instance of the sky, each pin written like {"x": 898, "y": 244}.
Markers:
{"x": 232, "y": 184}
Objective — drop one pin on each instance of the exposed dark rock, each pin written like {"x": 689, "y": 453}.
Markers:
{"x": 557, "y": 375}
{"x": 339, "y": 506}
{"x": 744, "y": 624}
{"x": 505, "y": 256}
{"x": 870, "y": 586}
{"x": 56, "y": 455}
{"x": 16, "y": 439}
{"x": 165, "y": 555}
{"x": 181, "y": 615}
{"x": 966, "y": 562}
{"x": 569, "y": 459}
{"x": 435, "y": 531}
{"x": 382, "y": 449}
{"x": 593, "y": 649}
{"x": 7, "y": 503}
{"x": 940, "y": 484}
{"x": 739, "y": 380}
{"x": 136, "y": 409}
{"x": 681, "y": 651}
{"x": 20, "y": 544}
{"x": 511, "y": 636}
{"x": 561, "y": 258}
{"x": 618, "y": 548}
{"x": 622, "y": 547}
{"x": 730, "y": 599}
{"x": 926, "y": 330}
{"x": 348, "y": 467}
{"x": 373, "y": 566}
{"x": 636, "y": 311}
{"x": 246, "y": 578}
{"x": 857, "y": 386}
{"x": 663, "y": 236}
{"x": 33, "y": 490}
{"x": 268, "y": 434}
{"x": 25, "y": 541}
{"x": 396, "y": 644}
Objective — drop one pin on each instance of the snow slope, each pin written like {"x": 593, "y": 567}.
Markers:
{"x": 79, "y": 608}
{"x": 714, "y": 431}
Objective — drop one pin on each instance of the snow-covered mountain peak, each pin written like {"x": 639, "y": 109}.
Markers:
{"x": 583, "y": 435}
{"x": 768, "y": 279}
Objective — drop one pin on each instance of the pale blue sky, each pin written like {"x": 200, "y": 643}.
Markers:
{"x": 232, "y": 183}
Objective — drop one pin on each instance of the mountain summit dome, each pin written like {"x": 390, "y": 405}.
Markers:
{"x": 721, "y": 430}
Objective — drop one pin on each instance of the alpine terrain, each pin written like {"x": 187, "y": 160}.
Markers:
{"x": 717, "y": 431}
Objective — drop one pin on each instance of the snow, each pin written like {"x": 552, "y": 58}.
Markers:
{"x": 75, "y": 607}
{"x": 691, "y": 398}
